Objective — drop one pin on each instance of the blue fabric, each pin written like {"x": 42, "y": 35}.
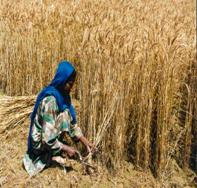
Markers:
{"x": 64, "y": 70}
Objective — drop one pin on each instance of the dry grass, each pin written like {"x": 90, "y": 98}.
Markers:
{"x": 137, "y": 71}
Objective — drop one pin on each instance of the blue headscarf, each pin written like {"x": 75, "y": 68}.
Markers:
{"x": 63, "y": 72}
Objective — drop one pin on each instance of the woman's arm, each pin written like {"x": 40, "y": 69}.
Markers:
{"x": 77, "y": 134}
{"x": 90, "y": 147}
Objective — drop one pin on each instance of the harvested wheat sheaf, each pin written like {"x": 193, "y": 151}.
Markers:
{"x": 14, "y": 111}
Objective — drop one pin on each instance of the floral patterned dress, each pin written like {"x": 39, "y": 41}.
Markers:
{"x": 47, "y": 128}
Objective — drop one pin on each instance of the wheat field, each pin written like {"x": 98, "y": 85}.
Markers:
{"x": 137, "y": 72}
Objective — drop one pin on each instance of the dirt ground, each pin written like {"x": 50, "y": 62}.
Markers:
{"x": 12, "y": 174}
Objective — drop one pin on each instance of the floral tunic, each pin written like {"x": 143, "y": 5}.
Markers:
{"x": 47, "y": 128}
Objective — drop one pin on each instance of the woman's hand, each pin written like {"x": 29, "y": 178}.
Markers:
{"x": 69, "y": 150}
{"x": 89, "y": 146}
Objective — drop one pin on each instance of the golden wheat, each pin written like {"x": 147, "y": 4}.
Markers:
{"x": 133, "y": 60}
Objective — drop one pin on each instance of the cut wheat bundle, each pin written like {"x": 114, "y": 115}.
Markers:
{"x": 14, "y": 111}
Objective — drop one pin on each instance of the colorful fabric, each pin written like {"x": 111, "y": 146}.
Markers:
{"x": 47, "y": 127}
{"x": 63, "y": 72}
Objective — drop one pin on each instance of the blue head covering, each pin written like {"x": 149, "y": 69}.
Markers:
{"x": 63, "y": 72}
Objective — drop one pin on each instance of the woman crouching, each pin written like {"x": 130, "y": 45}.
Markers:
{"x": 53, "y": 115}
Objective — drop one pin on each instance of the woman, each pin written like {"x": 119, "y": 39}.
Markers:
{"x": 52, "y": 116}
